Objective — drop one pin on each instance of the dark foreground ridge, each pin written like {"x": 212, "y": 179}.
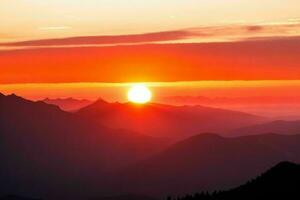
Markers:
{"x": 15, "y": 197}
{"x": 280, "y": 182}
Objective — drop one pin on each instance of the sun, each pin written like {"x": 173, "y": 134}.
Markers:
{"x": 140, "y": 94}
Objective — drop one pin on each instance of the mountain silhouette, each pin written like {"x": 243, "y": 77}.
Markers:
{"x": 47, "y": 151}
{"x": 279, "y": 126}
{"x": 53, "y": 154}
{"x": 280, "y": 182}
{"x": 208, "y": 162}
{"x": 167, "y": 121}
{"x": 68, "y": 104}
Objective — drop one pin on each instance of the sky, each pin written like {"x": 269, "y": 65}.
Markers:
{"x": 123, "y": 41}
{"x": 161, "y": 90}
{"x": 36, "y": 19}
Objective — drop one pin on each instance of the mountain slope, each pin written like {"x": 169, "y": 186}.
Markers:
{"x": 68, "y": 104}
{"x": 280, "y": 182}
{"x": 48, "y": 151}
{"x": 165, "y": 120}
{"x": 279, "y": 126}
{"x": 209, "y": 162}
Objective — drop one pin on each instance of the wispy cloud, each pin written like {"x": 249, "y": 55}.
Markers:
{"x": 105, "y": 40}
{"x": 219, "y": 33}
{"x": 54, "y": 28}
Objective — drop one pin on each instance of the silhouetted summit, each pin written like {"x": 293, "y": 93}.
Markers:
{"x": 280, "y": 182}
{"x": 209, "y": 162}
{"x": 68, "y": 104}
{"x": 47, "y": 151}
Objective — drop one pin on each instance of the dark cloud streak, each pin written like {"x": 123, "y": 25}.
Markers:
{"x": 117, "y": 39}
{"x": 198, "y": 34}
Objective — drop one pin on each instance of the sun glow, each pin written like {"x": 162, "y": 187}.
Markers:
{"x": 139, "y": 94}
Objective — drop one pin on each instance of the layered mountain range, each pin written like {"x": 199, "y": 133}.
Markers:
{"x": 105, "y": 149}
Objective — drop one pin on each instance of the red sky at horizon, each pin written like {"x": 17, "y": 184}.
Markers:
{"x": 246, "y": 60}
{"x": 183, "y": 42}
{"x": 271, "y": 60}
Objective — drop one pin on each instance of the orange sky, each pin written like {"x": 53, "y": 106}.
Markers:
{"x": 272, "y": 59}
{"x": 118, "y": 41}
{"x": 161, "y": 90}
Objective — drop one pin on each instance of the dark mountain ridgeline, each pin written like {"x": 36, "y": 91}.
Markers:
{"x": 68, "y": 104}
{"x": 208, "y": 162}
{"x": 280, "y": 182}
{"x": 51, "y": 152}
{"x": 167, "y": 121}
{"x": 56, "y": 154}
{"x": 279, "y": 126}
